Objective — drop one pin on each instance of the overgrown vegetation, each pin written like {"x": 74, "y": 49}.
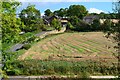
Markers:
{"x": 56, "y": 24}
{"x": 115, "y": 30}
{"x": 81, "y": 68}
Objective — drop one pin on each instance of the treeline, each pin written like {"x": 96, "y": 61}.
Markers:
{"x": 75, "y": 15}
{"x": 30, "y": 20}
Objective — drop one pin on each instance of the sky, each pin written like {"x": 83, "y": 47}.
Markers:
{"x": 92, "y": 7}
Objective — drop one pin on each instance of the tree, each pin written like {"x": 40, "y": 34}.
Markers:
{"x": 10, "y": 32}
{"x": 115, "y": 30}
{"x": 74, "y": 20}
{"x": 69, "y": 26}
{"x": 77, "y": 10}
{"x": 56, "y": 24}
{"x": 102, "y": 14}
{"x": 31, "y": 18}
{"x": 106, "y": 26}
{"x": 48, "y": 12}
{"x": 10, "y": 24}
{"x": 61, "y": 13}
{"x": 78, "y": 25}
{"x": 95, "y": 26}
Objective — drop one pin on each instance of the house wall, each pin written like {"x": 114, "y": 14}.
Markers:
{"x": 112, "y": 20}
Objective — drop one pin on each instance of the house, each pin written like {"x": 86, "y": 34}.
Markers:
{"x": 48, "y": 19}
{"x": 112, "y": 20}
{"x": 64, "y": 21}
{"x": 89, "y": 19}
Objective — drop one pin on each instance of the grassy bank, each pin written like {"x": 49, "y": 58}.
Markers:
{"x": 81, "y": 68}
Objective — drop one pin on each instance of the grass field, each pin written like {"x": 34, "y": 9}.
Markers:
{"x": 73, "y": 47}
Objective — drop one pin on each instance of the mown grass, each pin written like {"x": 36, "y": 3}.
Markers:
{"x": 81, "y": 50}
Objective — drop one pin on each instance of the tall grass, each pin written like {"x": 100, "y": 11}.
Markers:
{"x": 81, "y": 68}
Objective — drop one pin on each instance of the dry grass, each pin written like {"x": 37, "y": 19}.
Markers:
{"x": 73, "y": 47}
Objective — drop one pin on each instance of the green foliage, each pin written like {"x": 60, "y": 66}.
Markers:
{"x": 8, "y": 59}
{"x": 106, "y": 26}
{"x": 115, "y": 30}
{"x": 31, "y": 18}
{"x": 77, "y": 10}
{"x": 44, "y": 27}
{"x": 61, "y": 13}
{"x": 26, "y": 46}
{"x": 56, "y": 24}
{"x": 69, "y": 26}
{"x": 10, "y": 24}
{"x": 108, "y": 15}
{"x": 74, "y": 20}
{"x": 78, "y": 25}
{"x": 38, "y": 67}
{"x": 95, "y": 26}
{"x": 48, "y": 12}
{"x": 82, "y": 26}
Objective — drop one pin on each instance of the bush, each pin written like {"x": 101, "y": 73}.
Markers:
{"x": 43, "y": 27}
{"x": 56, "y": 24}
{"x": 26, "y": 46}
{"x": 39, "y": 67}
{"x": 95, "y": 26}
{"x": 106, "y": 26}
{"x": 78, "y": 25}
{"x": 82, "y": 26}
{"x": 32, "y": 39}
{"x": 69, "y": 26}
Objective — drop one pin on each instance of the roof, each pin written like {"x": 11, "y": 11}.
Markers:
{"x": 91, "y": 17}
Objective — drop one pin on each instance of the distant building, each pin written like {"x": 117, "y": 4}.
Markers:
{"x": 89, "y": 19}
{"x": 48, "y": 20}
{"x": 64, "y": 21}
{"x": 112, "y": 20}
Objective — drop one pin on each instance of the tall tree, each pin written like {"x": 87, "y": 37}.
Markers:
{"x": 48, "y": 12}
{"x": 77, "y": 10}
{"x": 10, "y": 24}
{"x": 61, "y": 13}
{"x": 31, "y": 18}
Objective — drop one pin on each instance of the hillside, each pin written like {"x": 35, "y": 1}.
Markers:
{"x": 73, "y": 47}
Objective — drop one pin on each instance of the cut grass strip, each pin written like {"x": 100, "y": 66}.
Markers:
{"x": 93, "y": 46}
{"x": 75, "y": 47}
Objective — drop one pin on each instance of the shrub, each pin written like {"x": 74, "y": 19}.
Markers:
{"x": 43, "y": 27}
{"x": 82, "y": 26}
{"x": 39, "y": 67}
{"x": 56, "y": 24}
{"x": 106, "y": 26}
{"x": 31, "y": 39}
{"x": 69, "y": 26}
{"x": 26, "y": 46}
{"x": 78, "y": 25}
{"x": 95, "y": 26}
